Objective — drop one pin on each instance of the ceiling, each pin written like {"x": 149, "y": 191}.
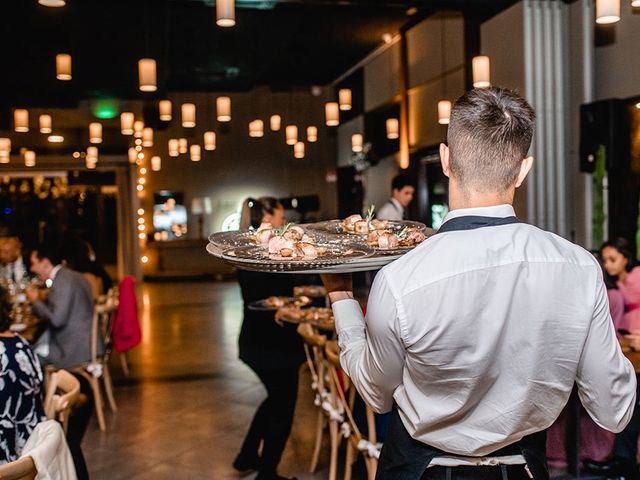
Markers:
{"x": 278, "y": 43}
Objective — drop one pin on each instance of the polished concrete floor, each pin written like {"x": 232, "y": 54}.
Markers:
{"x": 184, "y": 410}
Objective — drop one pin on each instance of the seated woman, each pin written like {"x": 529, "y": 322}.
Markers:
{"x": 20, "y": 388}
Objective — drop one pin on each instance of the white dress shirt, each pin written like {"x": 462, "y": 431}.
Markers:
{"x": 479, "y": 336}
{"x": 392, "y": 210}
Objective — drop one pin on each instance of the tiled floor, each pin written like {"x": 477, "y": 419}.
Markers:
{"x": 184, "y": 410}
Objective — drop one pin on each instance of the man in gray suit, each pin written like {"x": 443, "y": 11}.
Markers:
{"x": 68, "y": 309}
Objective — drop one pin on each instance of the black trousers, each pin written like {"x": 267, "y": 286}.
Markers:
{"x": 625, "y": 444}
{"x": 404, "y": 458}
{"x": 272, "y": 422}
{"x": 78, "y": 422}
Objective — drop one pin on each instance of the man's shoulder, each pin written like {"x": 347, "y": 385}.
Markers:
{"x": 452, "y": 253}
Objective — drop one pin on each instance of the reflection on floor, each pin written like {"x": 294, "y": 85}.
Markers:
{"x": 185, "y": 409}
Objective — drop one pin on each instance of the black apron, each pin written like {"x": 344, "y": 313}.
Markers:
{"x": 404, "y": 458}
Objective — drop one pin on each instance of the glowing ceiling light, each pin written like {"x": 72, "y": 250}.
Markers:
{"x": 63, "y": 66}
{"x": 481, "y": 71}
{"x": 147, "y": 75}
{"x": 225, "y": 13}
{"x": 393, "y": 128}
{"x": 45, "y": 123}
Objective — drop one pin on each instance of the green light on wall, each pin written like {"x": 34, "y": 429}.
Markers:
{"x": 105, "y": 108}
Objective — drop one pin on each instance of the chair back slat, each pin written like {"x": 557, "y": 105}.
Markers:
{"x": 21, "y": 469}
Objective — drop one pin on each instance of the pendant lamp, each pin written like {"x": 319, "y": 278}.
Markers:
{"x": 223, "y": 108}
{"x": 21, "y": 120}
{"x": 357, "y": 142}
{"x": 165, "y": 110}
{"x": 291, "y": 134}
{"x": 256, "y": 128}
{"x": 138, "y": 127}
{"x": 63, "y": 66}
{"x": 225, "y": 13}
{"x": 481, "y": 71}
{"x": 132, "y": 155}
{"x": 298, "y": 150}
{"x": 147, "y": 137}
{"x": 147, "y": 75}
{"x": 95, "y": 132}
{"x": 194, "y": 152}
{"x": 156, "y": 163}
{"x": 332, "y": 114}
{"x": 312, "y": 134}
{"x": 209, "y": 141}
{"x": 173, "y": 147}
{"x": 607, "y": 11}
{"x": 444, "y": 112}
{"x": 344, "y": 97}
{"x": 29, "y": 158}
{"x": 393, "y": 128}
{"x": 126, "y": 123}
{"x": 52, "y": 3}
{"x": 45, "y": 123}
{"x": 188, "y": 115}
{"x": 183, "y": 145}
{"x": 275, "y": 121}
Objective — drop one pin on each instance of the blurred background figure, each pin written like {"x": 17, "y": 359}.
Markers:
{"x": 79, "y": 255}
{"x": 403, "y": 188}
{"x": 12, "y": 264}
{"x": 20, "y": 388}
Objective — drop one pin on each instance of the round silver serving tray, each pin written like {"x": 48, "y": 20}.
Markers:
{"x": 335, "y": 227}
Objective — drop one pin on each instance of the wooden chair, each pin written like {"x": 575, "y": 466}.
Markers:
{"x": 314, "y": 350}
{"x": 21, "y": 469}
{"x": 343, "y": 393}
{"x": 98, "y": 366}
{"x": 58, "y": 406}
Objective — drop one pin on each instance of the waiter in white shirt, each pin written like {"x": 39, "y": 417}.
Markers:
{"x": 403, "y": 188}
{"x": 476, "y": 338}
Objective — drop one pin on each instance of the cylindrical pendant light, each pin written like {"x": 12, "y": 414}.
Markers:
{"x": 45, "y": 123}
{"x": 90, "y": 163}
{"x": 29, "y": 158}
{"x": 332, "y": 113}
{"x": 256, "y": 129}
{"x": 21, "y": 120}
{"x": 444, "y": 112}
{"x": 165, "y": 110}
{"x": 357, "y": 141}
{"x": 298, "y": 150}
{"x": 138, "y": 127}
{"x": 291, "y": 134}
{"x": 147, "y": 137}
{"x": 5, "y": 150}
{"x": 188, "y": 115}
{"x": 156, "y": 163}
{"x": 607, "y": 11}
{"x": 63, "y": 66}
{"x": 194, "y": 152}
{"x": 393, "y": 128}
{"x": 344, "y": 97}
{"x": 225, "y": 13}
{"x": 223, "y": 109}
{"x": 183, "y": 145}
{"x": 132, "y": 154}
{"x": 275, "y": 122}
{"x": 312, "y": 134}
{"x": 52, "y": 3}
{"x": 173, "y": 147}
{"x": 126, "y": 123}
{"x": 209, "y": 141}
{"x": 95, "y": 132}
{"x": 5, "y": 145}
{"x": 147, "y": 75}
{"x": 92, "y": 152}
{"x": 481, "y": 71}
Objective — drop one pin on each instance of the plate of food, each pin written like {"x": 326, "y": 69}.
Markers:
{"x": 319, "y": 317}
{"x": 358, "y": 226}
{"x": 273, "y": 303}
{"x": 311, "y": 291}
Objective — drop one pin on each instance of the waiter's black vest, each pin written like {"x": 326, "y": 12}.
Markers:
{"x": 404, "y": 458}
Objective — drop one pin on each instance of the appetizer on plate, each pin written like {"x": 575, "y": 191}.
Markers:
{"x": 408, "y": 237}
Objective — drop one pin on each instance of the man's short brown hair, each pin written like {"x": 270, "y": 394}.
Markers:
{"x": 490, "y": 133}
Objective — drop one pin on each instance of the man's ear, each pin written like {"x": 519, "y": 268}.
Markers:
{"x": 525, "y": 168}
{"x": 444, "y": 159}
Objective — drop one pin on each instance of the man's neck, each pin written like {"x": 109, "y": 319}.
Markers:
{"x": 459, "y": 199}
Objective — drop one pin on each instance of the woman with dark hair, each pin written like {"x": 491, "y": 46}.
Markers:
{"x": 621, "y": 265}
{"x": 20, "y": 388}
{"x": 273, "y": 352}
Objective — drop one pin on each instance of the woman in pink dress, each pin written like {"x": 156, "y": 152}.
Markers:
{"x": 620, "y": 264}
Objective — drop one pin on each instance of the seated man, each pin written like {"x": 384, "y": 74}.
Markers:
{"x": 12, "y": 266}
{"x": 68, "y": 309}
